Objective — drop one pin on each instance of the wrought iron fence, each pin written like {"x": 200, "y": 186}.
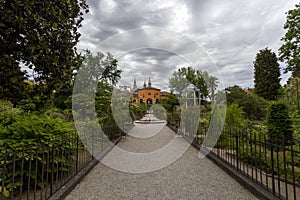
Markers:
{"x": 271, "y": 164}
{"x": 38, "y": 171}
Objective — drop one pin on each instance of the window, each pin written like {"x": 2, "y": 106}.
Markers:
{"x": 149, "y": 93}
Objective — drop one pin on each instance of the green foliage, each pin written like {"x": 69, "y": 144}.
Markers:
{"x": 252, "y": 144}
{"x": 291, "y": 93}
{"x": 279, "y": 125}
{"x": 41, "y": 36}
{"x": 34, "y": 134}
{"x": 12, "y": 80}
{"x": 83, "y": 107}
{"x": 211, "y": 82}
{"x": 137, "y": 111}
{"x": 186, "y": 76}
{"x": 103, "y": 100}
{"x": 295, "y": 117}
{"x": 27, "y": 105}
{"x": 234, "y": 116}
{"x": 5, "y": 193}
{"x": 178, "y": 82}
{"x": 169, "y": 103}
{"x": 266, "y": 74}
{"x": 253, "y": 106}
{"x": 98, "y": 68}
{"x": 8, "y": 114}
{"x": 290, "y": 49}
{"x": 173, "y": 119}
{"x": 158, "y": 111}
{"x": 98, "y": 72}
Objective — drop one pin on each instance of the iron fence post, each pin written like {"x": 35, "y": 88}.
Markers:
{"x": 237, "y": 150}
{"x": 272, "y": 166}
{"x": 293, "y": 169}
{"x": 52, "y": 170}
{"x": 77, "y": 155}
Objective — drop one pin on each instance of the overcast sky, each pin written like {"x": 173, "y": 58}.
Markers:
{"x": 154, "y": 38}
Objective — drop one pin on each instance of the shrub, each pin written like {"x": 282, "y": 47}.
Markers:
{"x": 234, "y": 116}
{"x": 279, "y": 125}
{"x": 32, "y": 137}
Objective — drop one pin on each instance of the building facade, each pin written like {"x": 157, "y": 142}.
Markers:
{"x": 147, "y": 94}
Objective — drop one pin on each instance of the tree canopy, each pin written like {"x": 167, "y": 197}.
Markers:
{"x": 252, "y": 105}
{"x": 266, "y": 74}
{"x": 40, "y": 36}
{"x": 169, "y": 103}
{"x": 186, "y": 76}
{"x": 96, "y": 68}
{"x": 290, "y": 49}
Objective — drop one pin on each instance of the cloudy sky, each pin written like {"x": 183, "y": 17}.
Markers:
{"x": 154, "y": 38}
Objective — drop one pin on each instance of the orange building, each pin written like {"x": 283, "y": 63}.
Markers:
{"x": 148, "y": 94}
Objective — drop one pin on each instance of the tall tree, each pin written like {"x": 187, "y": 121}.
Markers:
{"x": 97, "y": 68}
{"x": 266, "y": 74}
{"x": 42, "y": 36}
{"x": 290, "y": 49}
{"x": 185, "y": 76}
{"x": 212, "y": 83}
{"x": 94, "y": 85}
{"x": 178, "y": 82}
{"x": 12, "y": 80}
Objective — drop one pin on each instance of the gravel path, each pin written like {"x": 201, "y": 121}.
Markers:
{"x": 187, "y": 178}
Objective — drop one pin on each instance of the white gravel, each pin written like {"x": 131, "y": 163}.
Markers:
{"x": 187, "y": 178}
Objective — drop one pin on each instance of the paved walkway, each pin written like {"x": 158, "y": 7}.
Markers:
{"x": 187, "y": 178}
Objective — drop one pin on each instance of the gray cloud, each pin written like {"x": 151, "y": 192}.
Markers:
{"x": 231, "y": 33}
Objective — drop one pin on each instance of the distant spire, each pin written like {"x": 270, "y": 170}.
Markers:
{"x": 134, "y": 84}
{"x": 149, "y": 82}
{"x": 144, "y": 84}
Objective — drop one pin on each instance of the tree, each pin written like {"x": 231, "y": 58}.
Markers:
{"x": 279, "y": 124}
{"x": 94, "y": 81}
{"x": 186, "y": 76}
{"x": 169, "y": 103}
{"x": 178, "y": 82}
{"x": 12, "y": 79}
{"x": 290, "y": 49}
{"x": 211, "y": 82}
{"x": 291, "y": 92}
{"x": 97, "y": 68}
{"x": 266, "y": 74}
{"x": 42, "y": 36}
{"x": 103, "y": 100}
{"x": 252, "y": 105}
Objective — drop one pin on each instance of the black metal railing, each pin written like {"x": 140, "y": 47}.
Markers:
{"x": 38, "y": 171}
{"x": 271, "y": 164}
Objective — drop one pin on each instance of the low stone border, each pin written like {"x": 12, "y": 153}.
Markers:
{"x": 73, "y": 182}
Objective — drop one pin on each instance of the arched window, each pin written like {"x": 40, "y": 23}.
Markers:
{"x": 149, "y": 101}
